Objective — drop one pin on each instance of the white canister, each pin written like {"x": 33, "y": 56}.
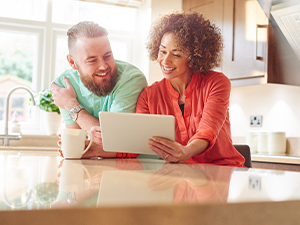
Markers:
{"x": 251, "y": 141}
{"x": 276, "y": 143}
{"x": 262, "y": 142}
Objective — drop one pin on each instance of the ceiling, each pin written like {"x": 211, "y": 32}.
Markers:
{"x": 127, "y": 3}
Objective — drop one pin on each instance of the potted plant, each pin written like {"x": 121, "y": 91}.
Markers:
{"x": 45, "y": 102}
{"x": 51, "y": 112}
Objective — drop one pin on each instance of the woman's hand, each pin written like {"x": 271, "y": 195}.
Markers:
{"x": 172, "y": 151}
{"x": 172, "y": 174}
{"x": 168, "y": 150}
{"x": 168, "y": 176}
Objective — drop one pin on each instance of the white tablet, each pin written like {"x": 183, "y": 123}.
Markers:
{"x": 130, "y": 132}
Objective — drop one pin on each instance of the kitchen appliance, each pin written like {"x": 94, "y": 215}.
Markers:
{"x": 286, "y": 14}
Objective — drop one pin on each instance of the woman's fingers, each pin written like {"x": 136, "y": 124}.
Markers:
{"x": 166, "y": 149}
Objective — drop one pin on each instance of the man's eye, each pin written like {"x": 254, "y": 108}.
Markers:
{"x": 178, "y": 56}
{"x": 92, "y": 61}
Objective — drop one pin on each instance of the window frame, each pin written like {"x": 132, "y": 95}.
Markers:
{"x": 44, "y": 67}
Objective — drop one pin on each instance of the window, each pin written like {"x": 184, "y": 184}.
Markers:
{"x": 18, "y": 56}
{"x": 1, "y": 108}
{"x": 33, "y": 45}
{"x": 24, "y": 9}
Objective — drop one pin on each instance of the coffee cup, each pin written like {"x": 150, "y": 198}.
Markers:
{"x": 73, "y": 143}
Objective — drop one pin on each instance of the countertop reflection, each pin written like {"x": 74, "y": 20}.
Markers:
{"x": 31, "y": 180}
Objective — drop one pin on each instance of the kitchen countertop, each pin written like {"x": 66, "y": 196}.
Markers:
{"x": 38, "y": 185}
{"x": 284, "y": 159}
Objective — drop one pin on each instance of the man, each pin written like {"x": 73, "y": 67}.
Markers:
{"x": 97, "y": 82}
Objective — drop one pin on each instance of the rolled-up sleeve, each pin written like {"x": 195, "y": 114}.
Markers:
{"x": 216, "y": 103}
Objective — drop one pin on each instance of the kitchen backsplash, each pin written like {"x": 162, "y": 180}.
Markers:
{"x": 279, "y": 106}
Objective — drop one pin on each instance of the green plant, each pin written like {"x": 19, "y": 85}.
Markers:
{"x": 45, "y": 102}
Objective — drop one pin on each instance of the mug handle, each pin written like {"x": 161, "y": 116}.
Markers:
{"x": 87, "y": 148}
{"x": 88, "y": 174}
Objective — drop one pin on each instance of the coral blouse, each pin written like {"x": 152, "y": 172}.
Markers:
{"x": 206, "y": 115}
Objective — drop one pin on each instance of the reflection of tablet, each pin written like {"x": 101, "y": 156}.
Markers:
{"x": 130, "y": 132}
{"x": 131, "y": 187}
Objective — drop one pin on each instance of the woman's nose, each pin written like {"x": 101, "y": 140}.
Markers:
{"x": 166, "y": 58}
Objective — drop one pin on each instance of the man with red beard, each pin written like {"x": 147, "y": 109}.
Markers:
{"x": 97, "y": 82}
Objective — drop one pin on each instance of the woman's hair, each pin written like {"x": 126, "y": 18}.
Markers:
{"x": 87, "y": 29}
{"x": 198, "y": 38}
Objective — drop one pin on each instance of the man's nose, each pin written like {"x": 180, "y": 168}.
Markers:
{"x": 102, "y": 65}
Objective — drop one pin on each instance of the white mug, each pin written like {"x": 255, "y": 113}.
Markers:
{"x": 262, "y": 142}
{"x": 251, "y": 140}
{"x": 73, "y": 143}
{"x": 277, "y": 143}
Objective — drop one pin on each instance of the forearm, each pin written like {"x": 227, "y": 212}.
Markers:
{"x": 196, "y": 147}
{"x": 86, "y": 121}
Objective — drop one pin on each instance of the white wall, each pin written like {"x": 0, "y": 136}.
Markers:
{"x": 278, "y": 104}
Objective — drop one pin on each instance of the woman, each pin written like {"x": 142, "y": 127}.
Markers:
{"x": 187, "y": 48}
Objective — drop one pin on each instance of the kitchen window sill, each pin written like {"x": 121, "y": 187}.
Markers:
{"x": 33, "y": 142}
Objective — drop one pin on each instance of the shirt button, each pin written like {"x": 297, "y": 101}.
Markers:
{"x": 97, "y": 106}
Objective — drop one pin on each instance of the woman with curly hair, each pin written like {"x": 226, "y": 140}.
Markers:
{"x": 187, "y": 48}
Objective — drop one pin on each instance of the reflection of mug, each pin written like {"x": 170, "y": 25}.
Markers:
{"x": 72, "y": 176}
{"x": 73, "y": 142}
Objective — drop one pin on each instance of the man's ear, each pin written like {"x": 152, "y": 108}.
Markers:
{"x": 71, "y": 62}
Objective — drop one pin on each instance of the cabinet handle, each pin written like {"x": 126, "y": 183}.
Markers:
{"x": 261, "y": 37}
{"x": 233, "y": 29}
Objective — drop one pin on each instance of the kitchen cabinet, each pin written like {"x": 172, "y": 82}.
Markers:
{"x": 244, "y": 27}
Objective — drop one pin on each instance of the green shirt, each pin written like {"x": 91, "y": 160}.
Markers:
{"x": 122, "y": 98}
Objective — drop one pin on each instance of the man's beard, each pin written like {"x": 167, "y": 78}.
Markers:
{"x": 99, "y": 89}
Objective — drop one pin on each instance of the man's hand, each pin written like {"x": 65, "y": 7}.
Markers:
{"x": 96, "y": 149}
{"x": 64, "y": 98}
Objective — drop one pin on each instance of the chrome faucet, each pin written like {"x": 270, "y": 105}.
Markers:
{"x": 6, "y": 137}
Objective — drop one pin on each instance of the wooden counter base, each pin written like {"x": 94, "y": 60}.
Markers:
{"x": 266, "y": 213}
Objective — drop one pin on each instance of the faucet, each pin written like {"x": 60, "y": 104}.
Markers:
{"x": 6, "y": 137}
